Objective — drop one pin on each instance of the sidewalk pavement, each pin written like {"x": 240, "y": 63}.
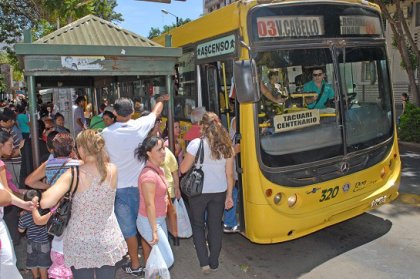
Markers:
{"x": 20, "y": 251}
{"x": 186, "y": 263}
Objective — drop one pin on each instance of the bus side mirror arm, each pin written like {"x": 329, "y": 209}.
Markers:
{"x": 246, "y": 81}
{"x": 243, "y": 44}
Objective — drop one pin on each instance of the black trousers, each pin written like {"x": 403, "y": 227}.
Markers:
{"x": 212, "y": 206}
{"x": 26, "y": 166}
{"x": 104, "y": 272}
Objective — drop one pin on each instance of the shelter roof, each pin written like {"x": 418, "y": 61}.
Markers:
{"x": 92, "y": 30}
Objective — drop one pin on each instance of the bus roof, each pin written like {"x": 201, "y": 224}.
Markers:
{"x": 227, "y": 19}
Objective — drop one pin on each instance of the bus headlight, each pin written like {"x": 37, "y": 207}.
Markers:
{"x": 291, "y": 200}
{"x": 277, "y": 198}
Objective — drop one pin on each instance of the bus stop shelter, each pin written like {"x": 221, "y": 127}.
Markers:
{"x": 84, "y": 53}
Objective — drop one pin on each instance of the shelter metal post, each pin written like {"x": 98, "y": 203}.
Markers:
{"x": 170, "y": 123}
{"x": 34, "y": 120}
{"x": 170, "y": 90}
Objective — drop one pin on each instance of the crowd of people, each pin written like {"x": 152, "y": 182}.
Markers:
{"x": 123, "y": 176}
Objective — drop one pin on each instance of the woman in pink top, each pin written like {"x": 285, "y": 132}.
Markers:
{"x": 151, "y": 221}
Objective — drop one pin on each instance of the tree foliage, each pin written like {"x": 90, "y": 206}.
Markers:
{"x": 409, "y": 129}
{"x": 404, "y": 41}
{"x": 156, "y": 32}
{"x": 44, "y": 16}
{"x": 16, "y": 15}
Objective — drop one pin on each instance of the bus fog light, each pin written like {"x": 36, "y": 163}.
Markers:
{"x": 277, "y": 198}
{"x": 268, "y": 193}
{"x": 291, "y": 200}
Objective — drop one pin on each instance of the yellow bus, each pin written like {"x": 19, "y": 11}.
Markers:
{"x": 310, "y": 156}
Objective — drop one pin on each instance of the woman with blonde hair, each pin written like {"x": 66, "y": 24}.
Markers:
{"x": 93, "y": 241}
{"x": 217, "y": 189}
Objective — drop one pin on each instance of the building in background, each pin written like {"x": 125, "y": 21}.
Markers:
{"x": 411, "y": 10}
{"x": 212, "y": 5}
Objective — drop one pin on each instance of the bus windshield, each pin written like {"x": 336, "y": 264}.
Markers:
{"x": 322, "y": 103}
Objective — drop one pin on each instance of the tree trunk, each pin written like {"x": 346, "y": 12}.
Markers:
{"x": 404, "y": 41}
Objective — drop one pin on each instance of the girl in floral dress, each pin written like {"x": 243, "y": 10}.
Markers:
{"x": 93, "y": 241}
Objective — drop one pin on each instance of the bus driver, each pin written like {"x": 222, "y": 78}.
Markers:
{"x": 319, "y": 86}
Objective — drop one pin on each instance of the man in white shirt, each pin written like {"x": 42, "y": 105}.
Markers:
{"x": 121, "y": 139}
{"x": 79, "y": 122}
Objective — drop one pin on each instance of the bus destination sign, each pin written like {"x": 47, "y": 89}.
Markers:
{"x": 290, "y": 26}
{"x": 360, "y": 25}
{"x": 217, "y": 47}
{"x": 296, "y": 120}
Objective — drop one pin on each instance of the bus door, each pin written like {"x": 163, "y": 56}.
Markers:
{"x": 216, "y": 88}
{"x": 218, "y": 96}
{"x": 209, "y": 87}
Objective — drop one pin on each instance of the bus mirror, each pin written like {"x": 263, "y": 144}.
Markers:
{"x": 245, "y": 77}
{"x": 372, "y": 72}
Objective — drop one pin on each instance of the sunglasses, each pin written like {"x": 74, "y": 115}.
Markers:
{"x": 317, "y": 74}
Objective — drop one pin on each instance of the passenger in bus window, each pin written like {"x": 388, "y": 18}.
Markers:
{"x": 272, "y": 91}
{"x": 319, "y": 86}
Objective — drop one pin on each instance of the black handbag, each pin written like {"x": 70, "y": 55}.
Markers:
{"x": 60, "y": 218}
{"x": 192, "y": 181}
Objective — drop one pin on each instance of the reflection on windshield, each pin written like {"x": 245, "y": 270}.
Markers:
{"x": 305, "y": 115}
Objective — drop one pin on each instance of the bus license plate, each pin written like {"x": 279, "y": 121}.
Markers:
{"x": 378, "y": 201}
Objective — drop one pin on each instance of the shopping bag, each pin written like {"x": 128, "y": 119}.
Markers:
{"x": 183, "y": 221}
{"x": 156, "y": 267}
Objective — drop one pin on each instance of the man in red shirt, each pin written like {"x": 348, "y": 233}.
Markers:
{"x": 196, "y": 116}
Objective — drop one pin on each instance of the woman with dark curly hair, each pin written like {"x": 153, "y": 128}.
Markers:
{"x": 151, "y": 220}
{"x": 217, "y": 189}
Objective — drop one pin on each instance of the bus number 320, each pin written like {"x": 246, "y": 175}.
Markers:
{"x": 329, "y": 193}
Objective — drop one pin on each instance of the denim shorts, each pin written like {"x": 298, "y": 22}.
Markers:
{"x": 127, "y": 209}
{"x": 38, "y": 254}
{"x": 145, "y": 230}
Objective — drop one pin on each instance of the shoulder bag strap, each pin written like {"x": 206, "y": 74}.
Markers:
{"x": 67, "y": 194}
{"x": 201, "y": 149}
{"x": 72, "y": 178}
{"x": 320, "y": 94}
{"x": 55, "y": 175}
{"x": 164, "y": 182}
{"x": 197, "y": 154}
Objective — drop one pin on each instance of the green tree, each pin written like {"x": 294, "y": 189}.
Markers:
{"x": 2, "y": 83}
{"x": 409, "y": 128}
{"x": 156, "y": 32}
{"x": 16, "y": 15}
{"x": 44, "y": 16}
{"x": 105, "y": 10}
{"x": 404, "y": 42}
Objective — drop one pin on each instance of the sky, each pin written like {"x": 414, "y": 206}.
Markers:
{"x": 140, "y": 16}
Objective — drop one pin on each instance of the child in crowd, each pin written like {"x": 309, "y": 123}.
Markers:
{"x": 62, "y": 146}
{"x": 57, "y": 270}
{"x": 38, "y": 244}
